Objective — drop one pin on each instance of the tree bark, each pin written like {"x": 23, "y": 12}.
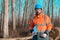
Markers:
{"x": 52, "y": 12}
{"x": 48, "y": 13}
{"x": 13, "y": 15}
{"x": 6, "y": 31}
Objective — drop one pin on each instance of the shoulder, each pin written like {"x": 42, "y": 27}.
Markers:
{"x": 46, "y": 16}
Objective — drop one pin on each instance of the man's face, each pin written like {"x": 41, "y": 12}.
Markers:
{"x": 38, "y": 11}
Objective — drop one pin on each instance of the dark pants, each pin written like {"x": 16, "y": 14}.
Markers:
{"x": 34, "y": 37}
{"x": 39, "y": 38}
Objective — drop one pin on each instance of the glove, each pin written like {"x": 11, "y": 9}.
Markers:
{"x": 47, "y": 32}
{"x": 43, "y": 35}
{"x": 31, "y": 30}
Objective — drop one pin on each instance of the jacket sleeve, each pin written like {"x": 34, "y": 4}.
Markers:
{"x": 30, "y": 24}
{"x": 48, "y": 24}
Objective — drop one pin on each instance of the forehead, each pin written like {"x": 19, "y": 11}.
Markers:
{"x": 38, "y": 9}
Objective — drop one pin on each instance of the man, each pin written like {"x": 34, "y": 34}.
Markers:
{"x": 41, "y": 23}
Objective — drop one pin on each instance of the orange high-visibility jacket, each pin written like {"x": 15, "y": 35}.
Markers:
{"x": 42, "y": 22}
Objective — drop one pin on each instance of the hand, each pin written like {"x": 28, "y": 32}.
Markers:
{"x": 44, "y": 35}
{"x": 31, "y": 30}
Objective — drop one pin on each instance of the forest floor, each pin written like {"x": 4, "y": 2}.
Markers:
{"x": 22, "y": 38}
{"x": 55, "y": 35}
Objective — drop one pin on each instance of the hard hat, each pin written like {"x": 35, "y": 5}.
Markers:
{"x": 38, "y": 6}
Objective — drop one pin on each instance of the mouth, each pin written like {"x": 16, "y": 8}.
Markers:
{"x": 37, "y": 13}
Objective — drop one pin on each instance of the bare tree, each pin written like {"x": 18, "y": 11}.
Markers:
{"x": 19, "y": 13}
{"x": 48, "y": 13}
{"x": 44, "y": 6}
{"x": 32, "y": 6}
{"x": 6, "y": 31}
{"x": 2, "y": 18}
{"x": 59, "y": 16}
{"x": 52, "y": 12}
{"x": 59, "y": 12}
{"x": 25, "y": 13}
{"x": 13, "y": 15}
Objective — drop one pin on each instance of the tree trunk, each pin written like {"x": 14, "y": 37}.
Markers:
{"x": 25, "y": 13}
{"x": 6, "y": 31}
{"x": 52, "y": 12}
{"x": 2, "y": 18}
{"x": 48, "y": 13}
{"x": 13, "y": 15}
{"x": 19, "y": 14}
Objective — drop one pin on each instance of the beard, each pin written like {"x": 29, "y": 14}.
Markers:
{"x": 37, "y": 13}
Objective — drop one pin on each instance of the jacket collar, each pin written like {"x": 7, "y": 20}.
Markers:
{"x": 40, "y": 15}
